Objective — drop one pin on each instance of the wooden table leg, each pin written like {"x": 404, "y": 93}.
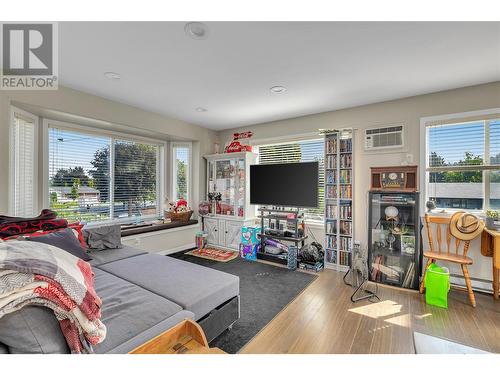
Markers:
{"x": 496, "y": 266}
{"x": 496, "y": 277}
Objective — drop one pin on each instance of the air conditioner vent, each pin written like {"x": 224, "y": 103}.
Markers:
{"x": 383, "y": 138}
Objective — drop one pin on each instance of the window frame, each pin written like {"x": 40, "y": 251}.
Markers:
{"x": 36, "y": 123}
{"x": 113, "y": 135}
{"x": 457, "y": 118}
{"x": 256, "y": 143}
{"x": 173, "y": 169}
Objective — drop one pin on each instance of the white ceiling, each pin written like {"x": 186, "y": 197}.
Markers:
{"x": 324, "y": 66}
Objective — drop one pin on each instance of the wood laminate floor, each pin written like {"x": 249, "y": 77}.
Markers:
{"x": 322, "y": 319}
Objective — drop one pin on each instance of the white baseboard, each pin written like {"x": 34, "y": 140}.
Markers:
{"x": 479, "y": 285}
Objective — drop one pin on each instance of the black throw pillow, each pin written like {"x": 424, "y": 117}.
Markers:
{"x": 63, "y": 239}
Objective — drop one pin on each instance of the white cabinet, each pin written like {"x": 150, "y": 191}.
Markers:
{"x": 232, "y": 234}
{"x": 229, "y": 174}
{"x": 222, "y": 229}
{"x": 212, "y": 228}
{"x": 224, "y": 233}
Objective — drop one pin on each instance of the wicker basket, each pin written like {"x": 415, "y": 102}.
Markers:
{"x": 179, "y": 216}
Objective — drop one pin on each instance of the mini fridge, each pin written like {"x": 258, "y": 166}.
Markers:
{"x": 394, "y": 251}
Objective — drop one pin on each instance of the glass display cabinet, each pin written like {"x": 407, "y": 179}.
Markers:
{"x": 229, "y": 175}
{"x": 394, "y": 239}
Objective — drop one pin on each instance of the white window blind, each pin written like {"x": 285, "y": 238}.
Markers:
{"x": 180, "y": 168}
{"x": 463, "y": 164}
{"x": 100, "y": 178}
{"x": 294, "y": 152}
{"x": 23, "y": 168}
{"x": 135, "y": 179}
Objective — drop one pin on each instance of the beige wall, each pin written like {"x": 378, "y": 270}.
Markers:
{"x": 110, "y": 115}
{"x": 407, "y": 111}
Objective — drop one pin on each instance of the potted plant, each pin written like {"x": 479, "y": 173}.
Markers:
{"x": 492, "y": 219}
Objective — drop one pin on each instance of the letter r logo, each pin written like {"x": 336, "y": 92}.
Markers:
{"x": 27, "y": 49}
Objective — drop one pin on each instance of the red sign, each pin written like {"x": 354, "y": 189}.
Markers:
{"x": 236, "y": 146}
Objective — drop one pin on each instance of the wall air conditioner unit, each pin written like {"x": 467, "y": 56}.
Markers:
{"x": 384, "y": 138}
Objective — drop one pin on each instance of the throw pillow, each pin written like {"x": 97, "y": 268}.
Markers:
{"x": 64, "y": 239}
{"x": 77, "y": 227}
{"x": 10, "y": 229}
{"x": 104, "y": 237}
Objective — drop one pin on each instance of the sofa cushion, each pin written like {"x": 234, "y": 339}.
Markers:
{"x": 63, "y": 239}
{"x": 32, "y": 330}
{"x": 195, "y": 288}
{"x": 128, "y": 310}
{"x": 100, "y": 257}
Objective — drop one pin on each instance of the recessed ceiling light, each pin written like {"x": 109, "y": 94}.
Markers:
{"x": 201, "y": 109}
{"x": 196, "y": 30}
{"x": 112, "y": 75}
{"x": 278, "y": 89}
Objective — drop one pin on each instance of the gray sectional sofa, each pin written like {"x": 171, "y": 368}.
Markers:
{"x": 143, "y": 295}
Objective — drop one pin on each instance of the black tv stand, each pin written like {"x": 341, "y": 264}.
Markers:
{"x": 292, "y": 217}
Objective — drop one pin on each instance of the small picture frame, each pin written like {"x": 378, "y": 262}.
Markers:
{"x": 408, "y": 245}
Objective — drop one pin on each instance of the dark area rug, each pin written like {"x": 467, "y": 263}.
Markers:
{"x": 264, "y": 291}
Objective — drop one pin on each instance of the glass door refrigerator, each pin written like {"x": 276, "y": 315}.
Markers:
{"x": 394, "y": 255}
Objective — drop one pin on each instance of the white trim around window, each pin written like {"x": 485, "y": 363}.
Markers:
{"x": 173, "y": 170}
{"x": 14, "y": 164}
{"x": 462, "y": 117}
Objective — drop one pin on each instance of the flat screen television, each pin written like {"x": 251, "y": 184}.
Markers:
{"x": 290, "y": 184}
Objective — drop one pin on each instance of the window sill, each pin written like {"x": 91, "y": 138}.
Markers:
{"x": 156, "y": 227}
{"x": 317, "y": 224}
{"x": 447, "y": 212}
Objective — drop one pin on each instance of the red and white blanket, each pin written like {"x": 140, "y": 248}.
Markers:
{"x": 33, "y": 273}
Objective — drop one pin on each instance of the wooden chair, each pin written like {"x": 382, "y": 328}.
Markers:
{"x": 447, "y": 254}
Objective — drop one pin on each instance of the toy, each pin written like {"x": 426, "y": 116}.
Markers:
{"x": 174, "y": 208}
{"x": 204, "y": 208}
{"x": 201, "y": 240}
{"x": 249, "y": 243}
{"x": 181, "y": 203}
{"x": 236, "y": 145}
{"x": 276, "y": 243}
{"x": 169, "y": 205}
{"x": 248, "y": 252}
{"x": 249, "y": 235}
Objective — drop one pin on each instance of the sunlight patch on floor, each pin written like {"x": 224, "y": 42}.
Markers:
{"x": 423, "y": 316}
{"x": 400, "y": 320}
{"x": 379, "y": 309}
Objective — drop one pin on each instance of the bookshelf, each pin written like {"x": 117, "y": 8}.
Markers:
{"x": 339, "y": 204}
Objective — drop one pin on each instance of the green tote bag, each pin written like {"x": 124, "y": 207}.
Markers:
{"x": 437, "y": 285}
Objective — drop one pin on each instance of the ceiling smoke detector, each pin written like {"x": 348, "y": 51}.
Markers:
{"x": 196, "y": 30}
{"x": 112, "y": 75}
{"x": 278, "y": 89}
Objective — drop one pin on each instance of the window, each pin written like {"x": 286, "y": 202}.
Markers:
{"x": 463, "y": 164}
{"x": 23, "y": 169}
{"x": 300, "y": 151}
{"x": 94, "y": 177}
{"x": 181, "y": 159}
